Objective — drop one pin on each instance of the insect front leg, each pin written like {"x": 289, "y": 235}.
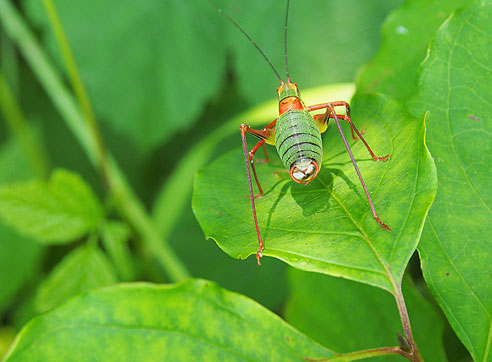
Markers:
{"x": 264, "y": 135}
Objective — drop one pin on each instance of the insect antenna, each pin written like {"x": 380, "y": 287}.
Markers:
{"x": 285, "y": 41}
{"x": 249, "y": 38}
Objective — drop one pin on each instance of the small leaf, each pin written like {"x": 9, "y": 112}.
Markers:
{"x": 115, "y": 238}
{"x": 456, "y": 247}
{"x": 59, "y": 211}
{"x": 83, "y": 269}
{"x": 19, "y": 255}
{"x": 327, "y": 226}
{"x": 141, "y": 322}
{"x": 348, "y": 316}
{"x": 406, "y": 35}
{"x": 19, "y": 261}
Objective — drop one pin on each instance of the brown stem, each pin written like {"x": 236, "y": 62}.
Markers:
{"x": 413, "y": 354}
{"x": 353, "y": 356}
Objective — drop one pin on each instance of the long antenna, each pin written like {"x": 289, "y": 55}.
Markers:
{"x": 249, "y": 38}
{"x": 285, "y": 41}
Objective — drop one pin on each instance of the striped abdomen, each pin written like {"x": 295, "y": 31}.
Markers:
{"x": 297, "y": 137}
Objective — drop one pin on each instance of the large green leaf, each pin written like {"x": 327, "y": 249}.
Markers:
{"x": 406, "y": 36}
{"x": 328, "y": 226}
{"x": 57, "y": 211}
{"x": 151, "y": 66}
{"x": 348, "y": 316}
{"x": 456, "y": 248}
{"x": 83, "y": 269}
{"x": 141, "y": 322}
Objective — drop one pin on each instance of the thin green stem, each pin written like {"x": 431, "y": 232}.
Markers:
{"x": 77, "y": 84}
{"x": 129, "y": 206}
{"x": 21, "y": 130}
{"x": 354, "y": 356}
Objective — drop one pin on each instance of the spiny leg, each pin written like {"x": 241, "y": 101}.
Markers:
{"x": 374, "y": 213}
{"x": 251, "y": 196}
{"x": 252, "y": 162}
{"x": 353, "y": 128}
{"x": 248, "y": 159}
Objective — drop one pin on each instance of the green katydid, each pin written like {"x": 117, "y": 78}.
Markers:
{"x": 297, "y": 134}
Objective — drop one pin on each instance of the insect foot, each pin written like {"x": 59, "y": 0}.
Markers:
{"x": 383, "y": 225}
{"x": 384, "y": 158}
{"x": 259, "y": 255}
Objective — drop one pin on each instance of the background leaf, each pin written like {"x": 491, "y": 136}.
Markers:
{"x": 327, "y": 226}
{"x": 19, "y": 255}
{"x": 83, "y": 269}
{"x": 59, "y": 211}
{"x": 348, "y": 316}
{"x": 131, "y": 58}
{"x": 127, "y": 322}
{"x": 456, "y": 250}
{"x": 405, "y": 38}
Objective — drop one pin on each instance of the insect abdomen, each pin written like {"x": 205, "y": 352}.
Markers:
{"x": 297, "y": 136}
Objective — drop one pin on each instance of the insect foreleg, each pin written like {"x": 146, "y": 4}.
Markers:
{"x": 265, "y": 136}
{"x": 374, "y": 213}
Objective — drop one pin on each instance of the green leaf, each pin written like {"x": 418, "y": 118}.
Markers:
{"x": 151, "y": 66}
{"x": 405, "y": 37}
{"x": 7, "y": 335}
{"x": 132, "y": 59}
{"x": 456, "y": 249}
{"x": 143, "y": 322}
{"x": 327, "y": 226}
{"x": 19, "y": 260}
{"x": 83, "y": 269}
{"x": 348, "y": 316}
{"x": 59, "y": 211}
{"x": 321, "y": 49}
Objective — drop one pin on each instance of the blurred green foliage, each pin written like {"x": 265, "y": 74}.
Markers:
{"x": 165, "y": 78}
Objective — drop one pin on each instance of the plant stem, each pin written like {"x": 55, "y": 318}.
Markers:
{"x": 77, "y": 84}
{"x": 21, "y": 130}
{"x": 128, "y": 204}
{"x": 354, "y": 356}
{"x": 413, "y": 354}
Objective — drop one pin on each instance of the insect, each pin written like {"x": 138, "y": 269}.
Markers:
{"x": 296, "y": 134}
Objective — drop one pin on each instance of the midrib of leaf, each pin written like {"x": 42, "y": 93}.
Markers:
{"x": 448, "y": 118}
{"x": 472, "y": 292}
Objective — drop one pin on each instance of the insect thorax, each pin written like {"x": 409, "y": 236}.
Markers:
{"x": 297, "y": 137}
